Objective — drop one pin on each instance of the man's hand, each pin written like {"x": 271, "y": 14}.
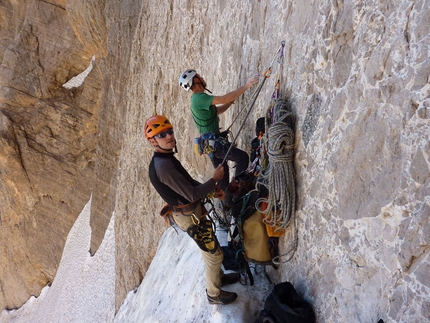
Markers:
{"x": 218, "y": 173}
{"x": 219, "y": 193}
{"x": 254, "y": 79}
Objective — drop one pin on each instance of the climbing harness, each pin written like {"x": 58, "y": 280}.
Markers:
{"x": 200, "y": 226}
{"x": 208, "y": 143}
{"x": 205, "y": 144}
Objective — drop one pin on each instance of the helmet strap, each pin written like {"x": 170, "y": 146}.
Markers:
{"x": 204, "y": 84}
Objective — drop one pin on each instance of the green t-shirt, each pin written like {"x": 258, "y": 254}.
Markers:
{"x": 204, "y": 114}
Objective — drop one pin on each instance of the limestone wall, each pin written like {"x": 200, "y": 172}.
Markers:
{"x": 47, "y": 142}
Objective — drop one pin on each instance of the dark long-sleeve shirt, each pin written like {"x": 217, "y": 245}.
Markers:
{"x": 173, "y": 183}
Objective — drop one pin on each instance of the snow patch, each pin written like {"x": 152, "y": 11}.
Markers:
{"x": 79, "y": 79}
{"x": 83, "y": 289}
{"x": 173, "y": 289}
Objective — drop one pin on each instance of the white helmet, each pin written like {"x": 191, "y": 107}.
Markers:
{"x": 186, "y": 79}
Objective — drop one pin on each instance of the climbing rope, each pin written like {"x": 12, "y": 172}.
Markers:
{"x": 280, "y": 171}
{"x": 279, "y": 176}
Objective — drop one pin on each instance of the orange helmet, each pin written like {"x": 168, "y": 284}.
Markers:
{"x": 155, "y": 125}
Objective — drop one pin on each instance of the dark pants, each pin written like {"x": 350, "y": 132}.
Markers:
{"x": 236, "y": 155}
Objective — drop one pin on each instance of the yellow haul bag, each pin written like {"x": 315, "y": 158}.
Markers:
{"x": 255, "y": 239}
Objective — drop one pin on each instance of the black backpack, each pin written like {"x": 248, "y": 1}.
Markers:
{"x": 236, "y": 190}
{"x": 284, "y": 305}
{"x": 242, "y": 205}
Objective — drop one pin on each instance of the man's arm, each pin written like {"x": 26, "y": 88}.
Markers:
{"x": 169, "y": 175}
{"x": 227, "y": 99}
{"x": 222, "y": 108}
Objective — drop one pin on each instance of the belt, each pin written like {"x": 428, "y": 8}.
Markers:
{"x": 186, "y": 208}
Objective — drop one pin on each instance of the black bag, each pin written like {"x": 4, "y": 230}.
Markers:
{"x": 239, "y": 187}
{"x": 255, "y": 149}
{"x": 255, "y": 143}
{"x": 260, "y": 126}
{"x": 285, "y": 305}
{"x": 234, "y": 259}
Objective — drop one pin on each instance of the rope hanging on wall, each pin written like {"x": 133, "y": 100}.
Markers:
{"x": 279, "y": 176}
{"x": 280, "y": 172}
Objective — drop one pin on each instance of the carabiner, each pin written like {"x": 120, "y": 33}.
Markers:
{"x": 195, "y": 219}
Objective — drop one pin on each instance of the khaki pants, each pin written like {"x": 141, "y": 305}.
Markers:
{"x": 212, "y": 261}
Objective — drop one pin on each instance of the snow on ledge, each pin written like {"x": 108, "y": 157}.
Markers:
{"x": 83, "y": 289}
{"x": 79, "y": 79}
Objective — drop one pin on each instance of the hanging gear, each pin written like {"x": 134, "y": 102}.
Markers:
{"x": 203, "y": 234}
{"x": 249, "y": 239}
{"x": 208, "y": 143}
{"x": 273, "y": 164}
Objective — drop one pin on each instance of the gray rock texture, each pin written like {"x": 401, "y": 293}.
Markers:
{"x": 356, "y": 74}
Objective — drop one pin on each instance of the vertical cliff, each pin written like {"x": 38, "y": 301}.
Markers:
{"x": 356, "y": 74}
{"x": 47, "y": 141}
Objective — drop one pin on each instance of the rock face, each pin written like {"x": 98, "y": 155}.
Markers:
{"x": 47, "y": 143}
{"x": 356, "y": 74}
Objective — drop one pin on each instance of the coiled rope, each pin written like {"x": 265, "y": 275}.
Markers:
{"x": 279, "y": 176}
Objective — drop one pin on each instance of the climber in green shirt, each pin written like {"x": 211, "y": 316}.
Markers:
{"x": 205, "y": 114}
{"x": 205, "y": 109}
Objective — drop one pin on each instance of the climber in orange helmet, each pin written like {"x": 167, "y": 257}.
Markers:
{"x": 184, "y": 196}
